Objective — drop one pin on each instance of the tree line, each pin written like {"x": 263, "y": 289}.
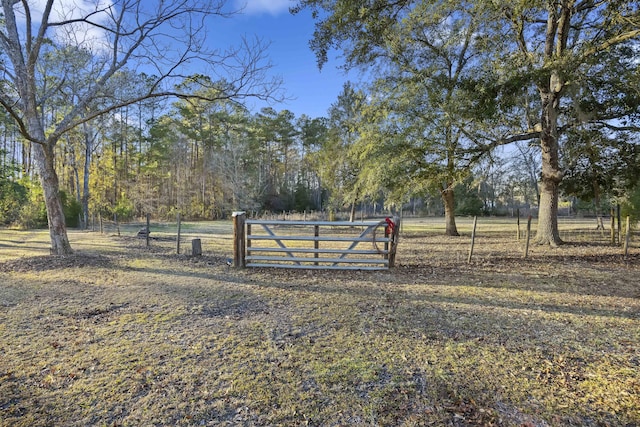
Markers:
{"x": 205, "y": 159}
{"x": 98, "y": 104}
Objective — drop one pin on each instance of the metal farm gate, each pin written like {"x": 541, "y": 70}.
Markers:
{"x": 337, "y": 245}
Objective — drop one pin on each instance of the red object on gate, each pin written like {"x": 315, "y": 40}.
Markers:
{"x": 388, "y": 230}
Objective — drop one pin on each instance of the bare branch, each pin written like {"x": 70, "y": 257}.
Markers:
{"x": 484, "y": 145}
{"x": 22, "y": 128}
{"x": 168, "y": 37}
{"x": 244, "y": 67}
{"x": 34, "y": 51}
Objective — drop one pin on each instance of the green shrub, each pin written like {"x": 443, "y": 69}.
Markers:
{"x": 33, "y": 213}
{"x": 631, "y": 206}
{"x": 13, "y": 195}
{"x": 124, "y": 209}
{"x": 71, "y": 208}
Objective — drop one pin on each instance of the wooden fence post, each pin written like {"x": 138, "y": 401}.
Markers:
{"x": 518, "y": 225}
{"x": 627, "y": 237}
{"x": 178, "y": 237}
{"x": 619, "y": 241}
{"x": 239, "y": 240}
{"x": 115, "y": 219}
{"x": 613, "y": 227}
{"x": 394, "y": 241}
{"x": 526, "y": 245}
{"x": 196, "y": 247}
{"x": 148, "y": 230}
{"x": 473, "y": 238}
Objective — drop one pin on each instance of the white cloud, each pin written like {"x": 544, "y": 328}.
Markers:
{"x": 80, "y": 34}
{"x": 85, "y": 35}
{"x": 273, "y": 7}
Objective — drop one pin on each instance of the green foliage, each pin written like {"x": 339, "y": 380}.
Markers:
{"x": 302, "y": 199}
{"x": 124, "y": 209}
{"x": 33, "y": 213}
{"x": 631, "y": 205}
{"x": 458, "y": 79}
{"x": 411, "y": 136}
{"x": 71, "y": 208}
{"x": 337, "y": 162}
{"x": 601, "y": 168}
{"x": 13, "y": 195}
{"x": 589, "y": 207}
{"x": 468, "y": 201}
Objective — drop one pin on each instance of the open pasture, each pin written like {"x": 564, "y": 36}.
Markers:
{"x": 122, "y": 334}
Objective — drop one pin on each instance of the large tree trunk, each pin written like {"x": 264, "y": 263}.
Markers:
{"x": 558, "y": 26}
{"x": 449, "y": 211}
{"x": 49, "y": 179}
{"x": 551, "y": 174}
{"x": 548, "y": 214}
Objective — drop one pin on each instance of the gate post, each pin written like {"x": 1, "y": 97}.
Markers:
{"x": 394, "y": 242}
{"x": 239, "y": 240}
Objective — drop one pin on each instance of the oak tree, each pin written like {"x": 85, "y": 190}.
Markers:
{"x": 558, "y": 50}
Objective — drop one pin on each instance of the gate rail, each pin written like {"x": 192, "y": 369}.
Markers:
{"x": 342, "y": 245}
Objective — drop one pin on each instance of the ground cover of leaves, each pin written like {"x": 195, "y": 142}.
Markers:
{"x": 119, "y": 334}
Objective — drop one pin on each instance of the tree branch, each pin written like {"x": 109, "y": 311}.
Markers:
{"x": 483, "y": 148}
{"x": 617, "y": 128}
{"x": 22, "y": 128}
{"x": 611, "y": 42}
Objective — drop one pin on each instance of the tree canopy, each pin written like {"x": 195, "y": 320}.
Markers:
{"x": 535, "y": 69}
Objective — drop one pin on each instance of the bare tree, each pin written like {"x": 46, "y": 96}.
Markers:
{"x": 164, "y": 39}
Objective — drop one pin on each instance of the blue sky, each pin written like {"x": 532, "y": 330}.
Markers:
{"x": 313, "y": 90}
{"x": 310, "y": 90}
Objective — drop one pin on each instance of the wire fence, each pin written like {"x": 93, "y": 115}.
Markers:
{"x": 217, "y": 236}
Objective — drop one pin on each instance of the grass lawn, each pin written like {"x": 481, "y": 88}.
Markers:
{"x": 119, "y": 334}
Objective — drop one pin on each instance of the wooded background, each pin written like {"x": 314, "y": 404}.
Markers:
{"x": 206, "y": 159}
{"x": 460, "y": 115}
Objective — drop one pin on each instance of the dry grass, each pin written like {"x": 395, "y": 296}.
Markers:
{"x": 121, "y": 334}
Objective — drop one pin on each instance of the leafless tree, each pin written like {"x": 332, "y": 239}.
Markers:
{"x": 164, "y": 39}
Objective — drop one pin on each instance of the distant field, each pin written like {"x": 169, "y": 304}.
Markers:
{"x": 124, "y": 334}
